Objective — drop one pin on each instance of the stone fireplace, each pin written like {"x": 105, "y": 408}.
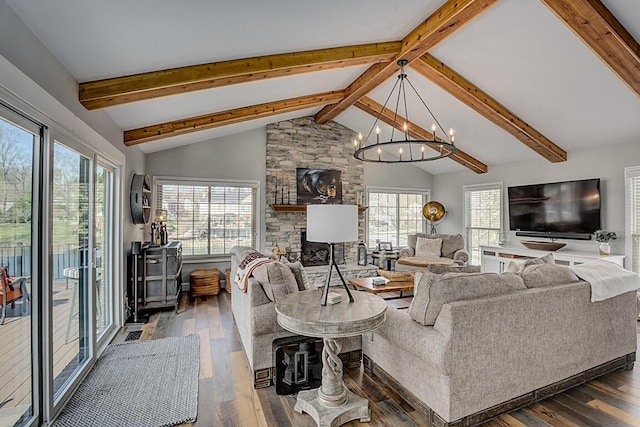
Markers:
{"x": 315, "y": 253}
{"x": 302, "y": 143}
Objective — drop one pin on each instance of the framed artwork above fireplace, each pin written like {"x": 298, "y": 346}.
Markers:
{"x": 317, "y": 186}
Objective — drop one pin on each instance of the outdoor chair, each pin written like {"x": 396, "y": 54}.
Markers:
{"x": 13, "y": 288}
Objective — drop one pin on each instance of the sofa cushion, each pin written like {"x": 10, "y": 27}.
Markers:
{"x": 542, "y": 275}
{"x": 451, "y": 243}
{"x": 276, "y": 279}
{"x": 428, "y": 248}
{"x": 441, "y": 269}
{"x": 300, "y": 275}
{"x": 423, "y": 262}
{"x": 433, "y": 291}
{"x": 517, "y": 267}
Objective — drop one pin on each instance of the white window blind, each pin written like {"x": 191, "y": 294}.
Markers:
{"x": 482, "y": 217}
{"x": 209, "y": 218}
{"x": 633, "y": 185}
{"x": 393, "y": 215}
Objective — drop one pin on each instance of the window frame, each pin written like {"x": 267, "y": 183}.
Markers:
{"x": 630, "y": 173}
{"x": 499, "y": 185}
{"x": 209, "y": 182}
{"x": 426, "y": 196}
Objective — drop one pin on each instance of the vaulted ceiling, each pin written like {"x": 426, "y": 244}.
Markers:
{"x": 517, "y": 79}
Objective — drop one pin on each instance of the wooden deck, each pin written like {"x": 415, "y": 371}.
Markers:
{"x": 15, "y": 352}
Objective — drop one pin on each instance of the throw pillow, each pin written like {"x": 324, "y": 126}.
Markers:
{"x": 298, "y": 272}
{"x": 434, "y": 291}
{"x": 517, "y": 267}
{"x": 412, "y": 239}
{"x": 428, "y": 248}
{"x": 543, "y": 275}
{"x": 451, "y": 243}
{"x": 441, "y": 269}
{"x": 276, "y": 279}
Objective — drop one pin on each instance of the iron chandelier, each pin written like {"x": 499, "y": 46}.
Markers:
{"x": 405, "y": 150}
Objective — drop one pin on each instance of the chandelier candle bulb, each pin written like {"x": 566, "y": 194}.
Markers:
{"x": 377, "y": 134}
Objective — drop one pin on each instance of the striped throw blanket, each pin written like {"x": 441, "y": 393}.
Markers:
{"x": 246, "y": 267}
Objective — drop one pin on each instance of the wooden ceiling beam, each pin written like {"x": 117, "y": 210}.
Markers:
{"x": 388, "y": 116}
{"x": 465, "y": 91}
{"x": 441, "y": 24}
{"x": 223, "y": 118}
{"x": 138, "y": 87}
{"x": 592, "y": 22}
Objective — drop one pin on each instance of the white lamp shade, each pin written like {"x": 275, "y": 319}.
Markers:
{"x": 332, "y": 223}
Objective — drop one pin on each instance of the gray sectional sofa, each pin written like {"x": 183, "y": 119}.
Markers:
{"x": 255, "y": 316}
{"x": 476, "y": 345}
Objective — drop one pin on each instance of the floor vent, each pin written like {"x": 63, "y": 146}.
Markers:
{"x": 133, "y": 335}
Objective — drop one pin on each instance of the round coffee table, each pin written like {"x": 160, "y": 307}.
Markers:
{"x": 301, "y": 313}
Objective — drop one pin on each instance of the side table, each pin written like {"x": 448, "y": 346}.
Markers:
{"x": 301, "y": 313}
{"x": 386, "y": 259}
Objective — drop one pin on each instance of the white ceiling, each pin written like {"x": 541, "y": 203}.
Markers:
{"x": 517, "y": 51}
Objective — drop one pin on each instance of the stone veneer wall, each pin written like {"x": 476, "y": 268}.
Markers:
{"x": 302, "y": 143}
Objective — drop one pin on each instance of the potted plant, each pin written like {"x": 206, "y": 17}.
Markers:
{"x": 604, "y": 237}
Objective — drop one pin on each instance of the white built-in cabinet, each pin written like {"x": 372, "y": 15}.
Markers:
{"x": 495, "y": 259}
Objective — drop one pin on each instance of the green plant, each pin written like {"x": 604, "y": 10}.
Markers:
{"x": 604, "y": 236}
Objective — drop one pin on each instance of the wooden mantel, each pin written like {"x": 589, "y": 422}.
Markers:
{"x": 303, "y": 208}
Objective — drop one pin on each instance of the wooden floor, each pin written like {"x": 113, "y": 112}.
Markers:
{"x": 226, "y": 397}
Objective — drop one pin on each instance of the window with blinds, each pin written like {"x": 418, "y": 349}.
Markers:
{"x": 208, "y": 218}
{"x": 482, "y": 217}
{"x": 633, "y": 221}
{"x": 393, "y": 215}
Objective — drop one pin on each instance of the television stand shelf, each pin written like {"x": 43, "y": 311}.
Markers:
{"x": 495, "y": 259}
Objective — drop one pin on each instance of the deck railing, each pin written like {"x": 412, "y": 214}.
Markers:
{"x": 17, "y": 258}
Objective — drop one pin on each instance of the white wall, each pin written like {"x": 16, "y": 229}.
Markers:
{"x": 607, "y": 163}
{"x": 34, "y": 80}
{"x": 397, "y": 176}
{"x": 240, "y": 156}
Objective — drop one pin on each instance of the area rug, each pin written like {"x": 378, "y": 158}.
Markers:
{"x": 143, "y": 384}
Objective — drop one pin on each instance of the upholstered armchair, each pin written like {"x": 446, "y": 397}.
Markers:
{"x": 423, "y": 250}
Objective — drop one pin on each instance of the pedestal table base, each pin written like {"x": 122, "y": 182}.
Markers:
{"x": 355, "y": 408}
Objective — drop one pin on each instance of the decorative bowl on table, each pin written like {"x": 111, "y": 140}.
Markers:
{"x": 543, "y": 246}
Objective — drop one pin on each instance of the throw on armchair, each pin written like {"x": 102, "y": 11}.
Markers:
{"x": 425, "y": 249}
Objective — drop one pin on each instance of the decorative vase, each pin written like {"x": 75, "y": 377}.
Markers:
{"x": 605, "y": 249}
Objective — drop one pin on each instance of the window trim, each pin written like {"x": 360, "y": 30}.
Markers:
{"x": 629, "y": 173}
{"x": 497, "y": 185}
{"x": 176, "y": 180}
{"x": 426, "y": 193}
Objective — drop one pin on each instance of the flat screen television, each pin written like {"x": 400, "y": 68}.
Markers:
{"x": 569, "y": 209}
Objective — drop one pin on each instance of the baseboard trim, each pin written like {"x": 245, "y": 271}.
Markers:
{"x": 624, "y": 362}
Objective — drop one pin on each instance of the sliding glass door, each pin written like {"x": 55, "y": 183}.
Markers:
{"x": 57, "y": 261}
{"x": 70, "y": 241}
{"x": 103, "y": 248}
{"x": 19, "y": 138}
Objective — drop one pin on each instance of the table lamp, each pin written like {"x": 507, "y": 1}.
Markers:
{"x": 332, "y": 224}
